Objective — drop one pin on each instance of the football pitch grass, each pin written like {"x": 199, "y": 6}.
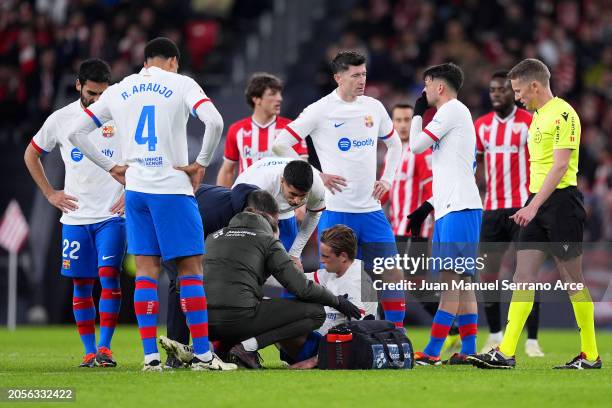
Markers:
{"x": 46, "y": 357}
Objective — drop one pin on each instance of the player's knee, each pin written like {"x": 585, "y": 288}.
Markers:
{"x": 316, "y": 313}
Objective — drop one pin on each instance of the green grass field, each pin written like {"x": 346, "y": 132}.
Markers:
{"x": 48, "y": 356}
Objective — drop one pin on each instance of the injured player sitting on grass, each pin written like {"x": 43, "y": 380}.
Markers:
{"x": 343, "y": 276}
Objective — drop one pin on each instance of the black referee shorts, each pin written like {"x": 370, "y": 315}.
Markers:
{"x": 559, "y": 223}
{"x": 498, "y": 230}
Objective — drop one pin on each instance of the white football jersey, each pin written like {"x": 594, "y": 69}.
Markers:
{"x": 348, "y": 284}
{"x": 453, "y": 159}
{"x": 151, "y": 109}
{"x": 266, "y": 174}
{"x": 94, "y": 188}
{"x": 345, "y": 136}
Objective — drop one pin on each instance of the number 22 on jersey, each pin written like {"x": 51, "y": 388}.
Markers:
{"x": 147, "y": 118}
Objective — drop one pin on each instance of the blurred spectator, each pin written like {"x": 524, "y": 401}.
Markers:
{"x": 42, "y": 41}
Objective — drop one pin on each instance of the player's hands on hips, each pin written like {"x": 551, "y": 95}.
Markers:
{"x": 347, "y": 308}
{"x": 119, "y": 206}
{"x": 195, "y": 171}
{"x": 524, "y": 216}
{"x": 333, "y": 182}
{"x": 63, "y": 201}
{"x": 298, "y": 262}
{"x": 421, "y": 105}
{"x": 380, "y": 188}
{"x": 118, "y": 173}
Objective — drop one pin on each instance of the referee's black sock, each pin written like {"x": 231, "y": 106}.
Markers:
{"x": 493, "y": 313}
{"x": 533, "y": 321}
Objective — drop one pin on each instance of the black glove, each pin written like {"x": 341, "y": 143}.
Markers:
{"x": 421, "y": 105}
{"x": 417, "y": 217}
{"x": 347, "y": 308}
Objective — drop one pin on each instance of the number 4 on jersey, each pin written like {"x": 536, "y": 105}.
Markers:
{"x": 147, "y": 117}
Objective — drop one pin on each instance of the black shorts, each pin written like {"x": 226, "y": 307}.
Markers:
{"x": 559, "y": 223}
{"x": 498, "y": 230}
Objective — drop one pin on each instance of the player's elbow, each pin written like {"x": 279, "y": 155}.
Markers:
{"x": 561, "y": 166}
{"x": 30, "y": 154}
{"x": 278, "y": 148}
{"x": 215, "y": 122}
{"x": 281, "y": 146}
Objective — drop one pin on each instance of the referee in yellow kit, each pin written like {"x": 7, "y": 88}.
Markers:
{"x": 553, "y": 214}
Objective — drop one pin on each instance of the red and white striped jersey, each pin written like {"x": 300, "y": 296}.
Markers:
{"x": 411, "y": 188}
{"x": 504, "y": 145}
{"x": 247, "y": 141}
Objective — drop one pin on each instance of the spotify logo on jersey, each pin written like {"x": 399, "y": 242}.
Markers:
{"x": 76, "y": 155}
{"x": 344, "y": 144}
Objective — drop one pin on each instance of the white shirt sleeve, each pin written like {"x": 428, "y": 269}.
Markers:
{"x": 389, "y": 136}
{"x": 394, "y": 156}
{"x": 92, "y": 117}
{"x": 202, "y": 107}
{"x": 45, "y": 139}
{"x": 385, "y": 129}
{"x": 295, "y": 132}
{"x": 310, "y": 276}
{"x": 442, "y": 123}
{"x": 316, "y": 196}
{"x": 307, "y": 227}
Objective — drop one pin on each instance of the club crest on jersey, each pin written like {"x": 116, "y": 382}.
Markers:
{"x": 369, "y": 121}
{"x": 108, "y": 131}
{"x": 66, "y": 264}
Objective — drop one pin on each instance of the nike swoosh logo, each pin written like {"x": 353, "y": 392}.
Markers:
{"x": 104, "y": 258}
{"x": 337, "y": 125}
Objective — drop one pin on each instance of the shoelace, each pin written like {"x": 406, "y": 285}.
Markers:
{"x": 576, "y": 360}
{"x": 105, "y": 351}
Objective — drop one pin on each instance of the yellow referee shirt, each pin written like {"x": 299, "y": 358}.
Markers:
{"x": 554, "y": 126}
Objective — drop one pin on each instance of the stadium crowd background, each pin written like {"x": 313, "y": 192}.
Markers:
{"x": 42, "y": 42}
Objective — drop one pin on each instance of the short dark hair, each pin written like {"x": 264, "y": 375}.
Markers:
{"x": 161, "y": 47}
{"x": 448, "y": 72}
{"x": 257, "y": 85}
{"x": 263, "y": 201}
{"x": 344, "y": 59}
{"x": 401, "y": 105}
{"x": 273, "y": 223}
{"x": 340, "y": 238}
{"x": 298, "y": 174}
{"x": 531, "y": 69}
{"x": 502, "y": 74}
{"x": 94, "y": 70}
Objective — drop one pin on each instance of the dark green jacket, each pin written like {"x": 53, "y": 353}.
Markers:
{"x": 239, "y": 259}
